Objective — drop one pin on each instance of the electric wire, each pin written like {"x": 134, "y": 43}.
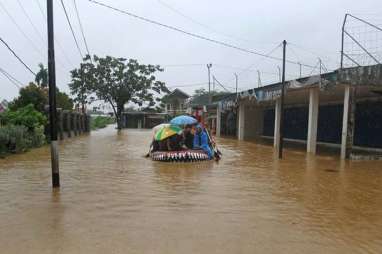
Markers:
{"x": 71, "y": 28}
{"x": 37, "y": 49}
{"x": 18, "y": 58}
{"x": 171, "y": 8}
{"x": 60, "y": 47}
{"x": 193, "y": 34}
{"x": 81, "y": 27}
{"x": 188, "y": 85}
{"x": 31, "y": 22}
{"x": 11, "y": 79}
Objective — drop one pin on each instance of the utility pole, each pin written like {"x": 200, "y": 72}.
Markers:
{"x": 258, "y": 79}
{"x": 320, "y": 61}
{"x": 236, "y": 82}
{"x": 52, "y": 97}
{"x": 209, "y": 83}
{"x": 300, "y": 69}
{"x": 282, "y": 105}
{"x": 278, "y": 67}
{"x": 342, "y": 41}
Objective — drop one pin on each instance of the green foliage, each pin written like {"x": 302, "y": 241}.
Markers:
{"x": 38, "y": 97}
{"x": 42, "y": 76}
{"x": 100, "y": 122}
{"x": 199, "y": 92}
{"x": 17, "y": 139}
{"x": 31, "y": 94}
{"x": 63, "y": 101}
{"x": 26, "y": 116}
{"x": 116, "y": 81}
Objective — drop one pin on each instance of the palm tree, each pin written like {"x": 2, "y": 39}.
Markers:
{"x": 42, "y": 76}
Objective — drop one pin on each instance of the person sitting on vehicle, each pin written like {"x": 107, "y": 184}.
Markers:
{"x": 201, "y": 141}
{"x": 174, "y": 143}
{"x": 188, "y": 137}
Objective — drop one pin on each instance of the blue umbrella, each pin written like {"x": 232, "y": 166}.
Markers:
{"x": 183, "y": 120}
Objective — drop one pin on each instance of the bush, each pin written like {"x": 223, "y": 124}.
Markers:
{"x": 100, "y": 122}
{"x": 26, "y": 116}
{"x": 17, "y": 139}
{"x": 14, "y": 139}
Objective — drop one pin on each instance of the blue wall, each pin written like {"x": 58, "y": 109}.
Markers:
{"x": 368, "y": 124}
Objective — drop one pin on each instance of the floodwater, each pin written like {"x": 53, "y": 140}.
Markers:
{"x": 113, "y": 200}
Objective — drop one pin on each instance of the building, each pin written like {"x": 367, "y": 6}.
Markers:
{"x": 143, "y": 120}
{"x": 340, "y": 109}
{"x": 3, "y": 105}
{"x": 175, "y": 102}
{"x": 204, "y": 110}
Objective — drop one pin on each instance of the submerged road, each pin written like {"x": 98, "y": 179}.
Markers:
{"x": 113, "y": 200}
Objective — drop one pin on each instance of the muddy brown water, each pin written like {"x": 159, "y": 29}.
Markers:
{"x": 113, "y": 200}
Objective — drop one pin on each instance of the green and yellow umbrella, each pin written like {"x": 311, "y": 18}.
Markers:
{"x": 167, "y": 131}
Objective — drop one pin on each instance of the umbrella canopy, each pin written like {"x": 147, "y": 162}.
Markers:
{"x": 159, "y": 127}
{"x": 183, "y": 120}
{"x": 167, "y": 131}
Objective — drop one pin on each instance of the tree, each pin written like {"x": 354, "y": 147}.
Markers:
{"x": 64, "y": 101}
{"x": 26, "y": 116}
{"x": 81, "y": 85}
{"x": 199, "y": 92}
{"x": 31, "y": 94}
{"x": 42, "y": 76}
{"x": 38, "y": 97}
{"x": 117, "y": 81}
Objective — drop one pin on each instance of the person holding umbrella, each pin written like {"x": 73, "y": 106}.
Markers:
{"x": 201, "y": 141}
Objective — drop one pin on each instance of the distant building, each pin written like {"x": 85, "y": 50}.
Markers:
{"x": 205, "y": 111}
{"x": 143, "y": 120}
{"x": 3, "y": 105}
{"x": 175, "y": 102}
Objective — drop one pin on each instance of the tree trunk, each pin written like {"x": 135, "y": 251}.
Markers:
{"x": 119, "y": 116}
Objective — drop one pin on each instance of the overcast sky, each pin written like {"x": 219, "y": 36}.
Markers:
{"x": 312, "y": 29}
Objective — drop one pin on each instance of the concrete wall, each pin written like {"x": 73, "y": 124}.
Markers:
{"x": 72, "y": 124}
{"x": 254, "y": 122}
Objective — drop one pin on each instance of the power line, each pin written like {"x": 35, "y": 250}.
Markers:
{"x": 181, "y": 65}
{"x": 37, "y": 49}
{"x": 217, "y": 81}
{"x": 166, "y": 5}
{"x": 266, "y": 55}
{"x": 41, "y": 10}
{"x": 193, "y": 34}
{"x": 18, "y": 58}
{"x": 81, "y": 28}
{"x": 189, "y": 85}
{"x": 12, "y": 79}
{"x": 71, "y": 28}
{"x": 30, "y": 21}
{"x": 55, "y": 40}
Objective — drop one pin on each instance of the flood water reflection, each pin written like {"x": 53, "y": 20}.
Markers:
{"x": 113, "y": 200}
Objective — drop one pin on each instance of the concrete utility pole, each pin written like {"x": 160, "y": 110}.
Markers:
{"x": 209, "y": 83}
{"x": 52, "y": 97}
{"x": 280, "y": 147}
{"x": 258, "y": 79}
{"x": 236, "y": 82}
{"x": 278, "y": 68}
{"x": 300, "y": 69}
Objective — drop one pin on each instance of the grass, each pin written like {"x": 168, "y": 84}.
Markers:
{"x": 100, "y": 122}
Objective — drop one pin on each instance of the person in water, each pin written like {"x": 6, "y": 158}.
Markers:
{"x": 201, "y": 141}
{"x": 188, "y": 137}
